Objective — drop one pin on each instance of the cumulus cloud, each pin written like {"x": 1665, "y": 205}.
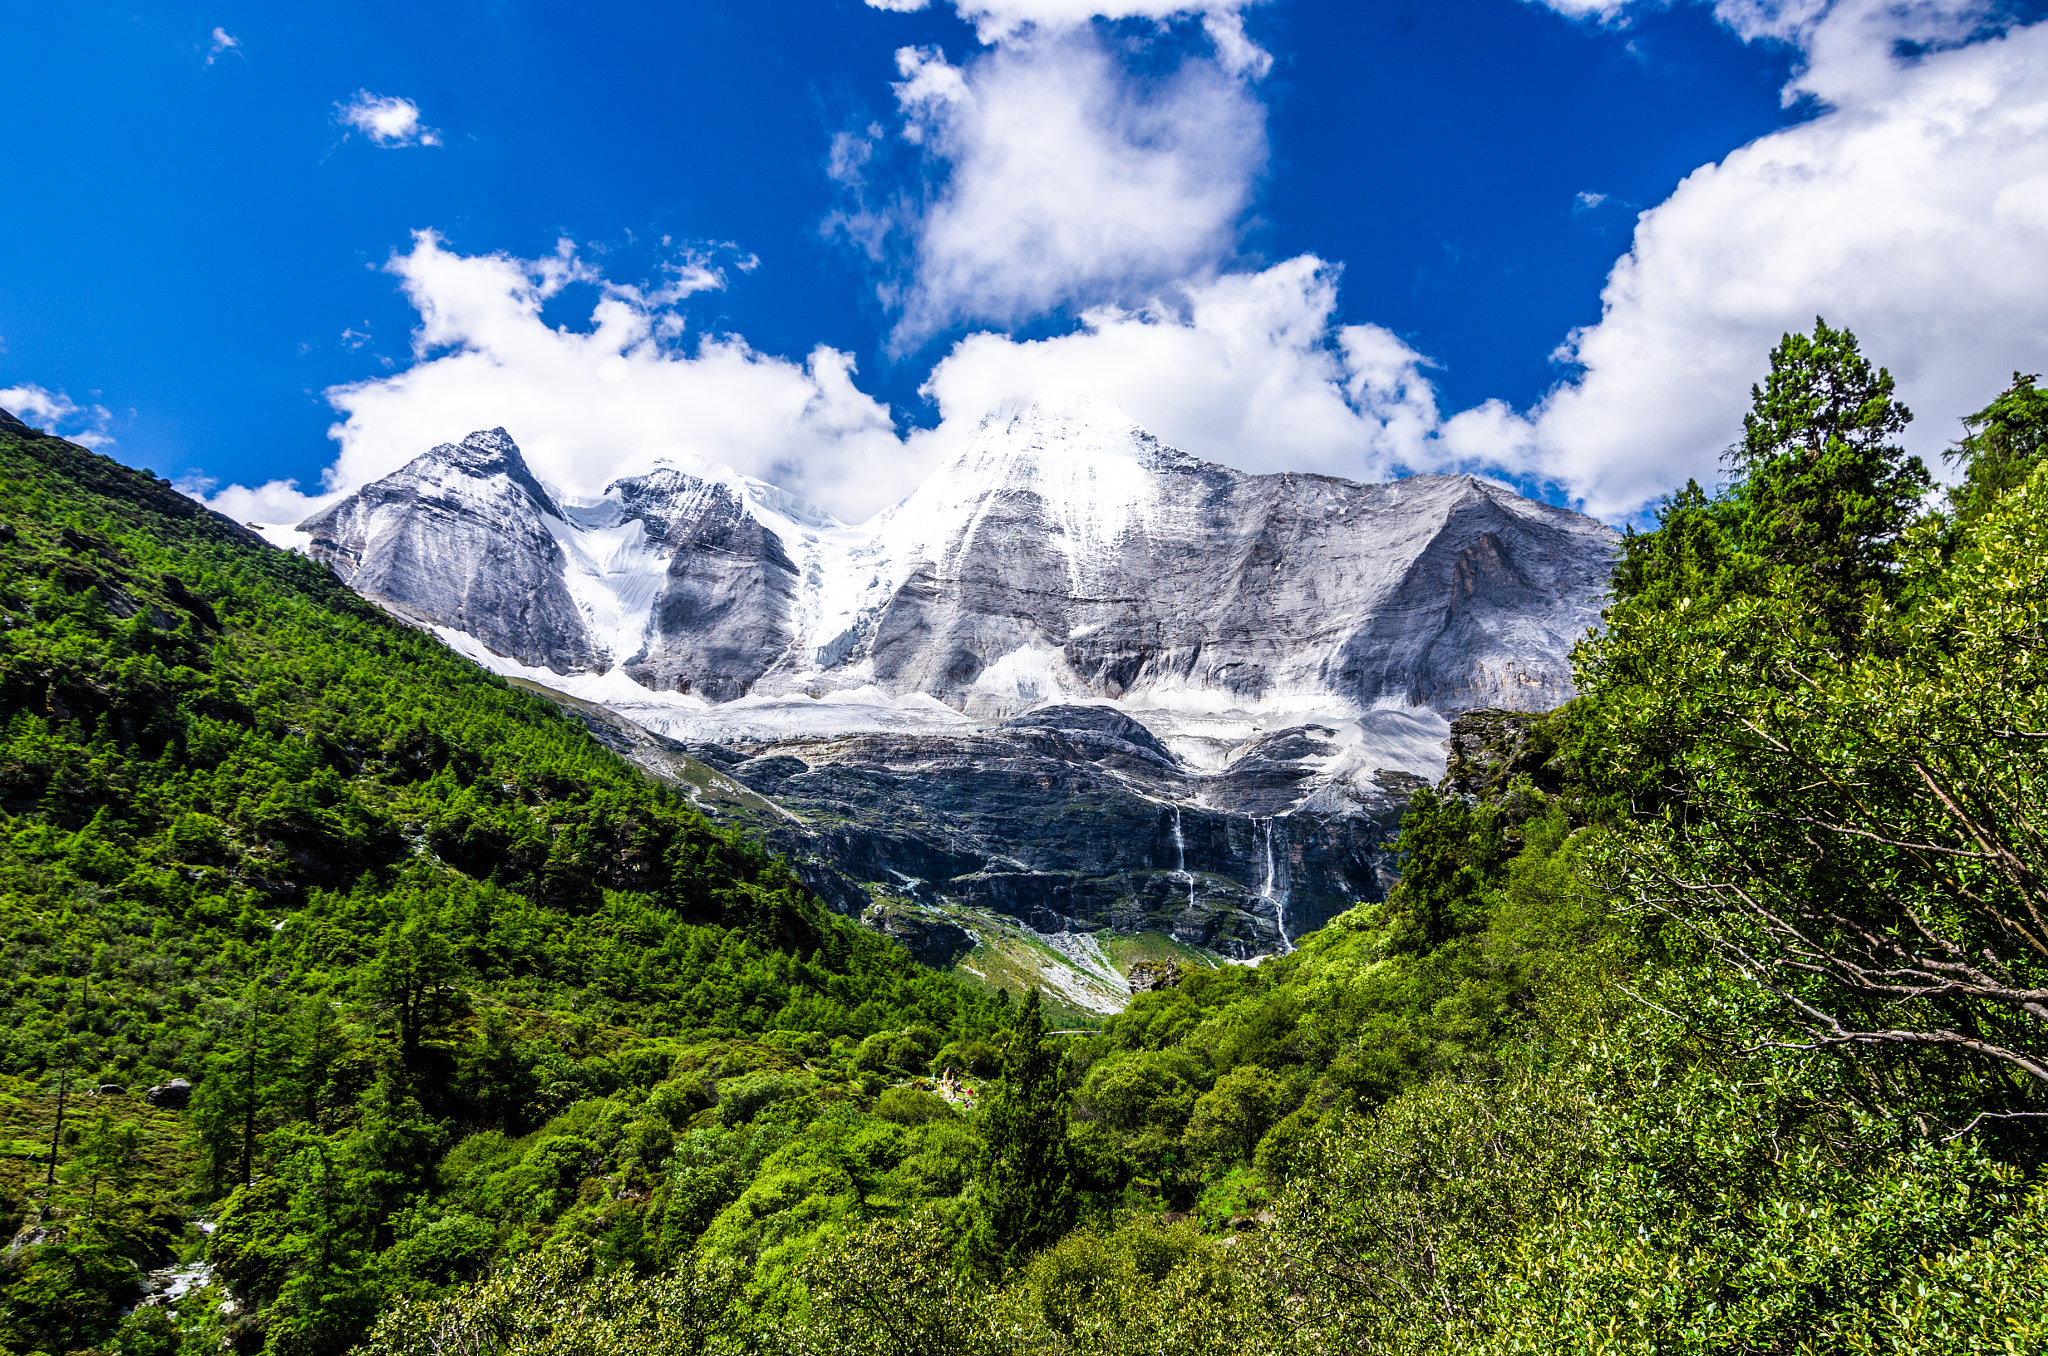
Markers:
{"x": 587, "y": 405}
{"x": 1249, "y": 369}
{"x": 56, "y": 412}
{"x": 386, "y": 120}
{"x": 1059, "y": 178}
{"x": 222, "y": 42}
{"x": 1912, "y": 207}
{"x": 1913, "y": 210}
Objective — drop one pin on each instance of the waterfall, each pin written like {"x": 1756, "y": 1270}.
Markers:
{"x": 1180, "y": 857}
{"x": 1279, "y": 901}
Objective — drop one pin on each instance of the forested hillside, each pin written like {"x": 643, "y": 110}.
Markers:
{"x": 422, "y": 946}
{"x": 1710, "y": 1014}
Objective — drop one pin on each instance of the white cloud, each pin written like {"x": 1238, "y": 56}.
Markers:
{"x": 997, "y": 20}
{"x": 277, "y": 502}
{"x": 588, "y": 405}
{"x": 386, "y": 120}
{"x": 1587, "y": 201}
{"x": 1913, "y": 208}
{"x": 1914, "y": 211}
{"x": 1248, "y": 369}
{"x": 222, "y": 42}
{"x": 1063, "y": 179}
{"x": 56, "y": 412}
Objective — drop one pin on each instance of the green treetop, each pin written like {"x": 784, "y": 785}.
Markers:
{"x": 2002, "y": 443}
{"x": 1824, "y": 489}
{"x": 1026, "y": 1198}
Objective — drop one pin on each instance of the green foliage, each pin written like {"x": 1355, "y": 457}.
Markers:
{"x": 1824, "y": 491}
{"x": 1233, "y": 1116}
{"x": 1025, "y": 1189}
{"x": 1853, "y": 830}
{"x": 557, "y": 1304}
{"x": 2002, "y": 444}
{"x": 1632, "y": 1188}
{"x": 423, "y": 947}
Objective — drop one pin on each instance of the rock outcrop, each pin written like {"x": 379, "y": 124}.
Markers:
{"x": 1075, "y": 819}
{"x": 464, "y": 537}
{"x": 935, "y": 941}
{"x": 175, "y": 1095}
{"x": 1150, "y": 976}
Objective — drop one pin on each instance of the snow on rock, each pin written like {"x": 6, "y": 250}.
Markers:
{"x": 1061, "y": 554}
{"x": 1289, "y": 645}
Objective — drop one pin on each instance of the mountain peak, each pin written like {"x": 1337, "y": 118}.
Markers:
{"x": 1059, "y": 412}
{"x": 491, "y": 452}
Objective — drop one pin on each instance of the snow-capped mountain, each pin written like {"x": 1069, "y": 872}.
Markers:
{"x": 1059, "y": 554}
{"x": 914, "y": 707}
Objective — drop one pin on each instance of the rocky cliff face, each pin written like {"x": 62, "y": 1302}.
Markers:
{"x": 1078, "y": 678}
{"x": 1077, "y": 818}
{"x": 1068, "y": 553}
{"x": 464, "y": 537}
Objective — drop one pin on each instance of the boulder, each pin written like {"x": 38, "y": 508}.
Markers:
{"x": 175, "y": 1095}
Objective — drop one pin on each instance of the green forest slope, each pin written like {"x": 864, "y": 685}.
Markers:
{"x": 422, "y": 945}
{"x": 1710, "y": 1014}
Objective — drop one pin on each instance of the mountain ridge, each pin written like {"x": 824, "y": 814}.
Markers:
{"x": 1056, "y": 556}
{"x": 943, "y": 705}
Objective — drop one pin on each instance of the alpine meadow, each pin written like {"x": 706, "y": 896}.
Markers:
{"x": 359, "y": 1000}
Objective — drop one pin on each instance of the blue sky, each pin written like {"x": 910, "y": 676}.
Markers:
{"x": 209, "y": 200}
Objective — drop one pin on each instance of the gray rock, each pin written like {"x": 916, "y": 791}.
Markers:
{"x": 1121, "y": 566}
{"x": 1148, "y": 976}
{"x": 460, "y": 537}
{"x": 934, "y": 941}
{"x": 724, "y": 614}
{"x": 175, "y": 1095}
{"x": 1199, "y": 698}
{"x": 1077, "y": 819}
{"x": 1148, "y": 569}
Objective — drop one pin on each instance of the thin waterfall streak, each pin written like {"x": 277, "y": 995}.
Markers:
{"x": 1279, "y": 900}
{"x": 1180, "y": 857}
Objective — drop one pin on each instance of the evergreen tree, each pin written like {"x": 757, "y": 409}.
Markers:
{"x": 2002, "y": 443}
{"x": 1026, "y": 1197}
{"x": 1687, "y": 557}
{"x": 1824, "y": 490}
{"x": 414, "y": 981}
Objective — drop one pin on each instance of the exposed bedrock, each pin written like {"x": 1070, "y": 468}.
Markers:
{"x": 1076, "y": 818}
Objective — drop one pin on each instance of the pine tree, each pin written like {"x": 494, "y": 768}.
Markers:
{"x": 2002, "y": 444}
{"x": 1824, "y": 489}
{"x": 1026, "y": 1197}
